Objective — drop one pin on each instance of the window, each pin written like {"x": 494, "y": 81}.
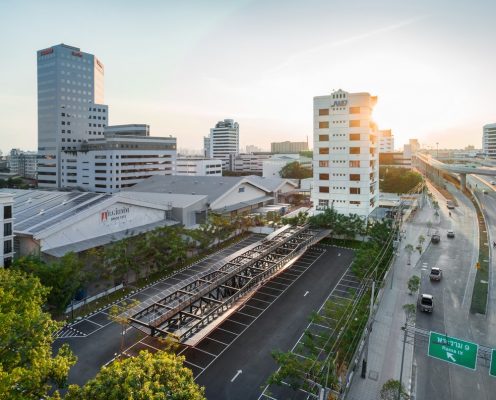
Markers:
{"x": 357, "y": 203}
{"x": 323, "y": 150}
{"x": 7, "y": 212}
{"x": 323, "y": 164}
{"x": 323, "y": 203}
{"x": 241, "y": 190}
{"x": 323, "y": 189}
{"x": 354, "y": 164}
{"x": 354, "y": 177}
{"x": 324, "y": 177}
{"x": 354, "y": 123}
{"x": 323, "y": 138}
{"x": 323, "y": 111}
{"x": 7, "y": 247}
{"x": 354, "y": 110}
{"x": 7, "y": 229}
{"x": 354, "y": 136}
{"x": 354, "y": 150}
{"x": 323, "y": 124}
{"x": 7, "y": 262}
{"x": 354, "y": 190}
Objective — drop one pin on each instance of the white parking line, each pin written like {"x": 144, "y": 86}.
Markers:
{"x": 228, "y": 331}
{"x": 197, "y": 366}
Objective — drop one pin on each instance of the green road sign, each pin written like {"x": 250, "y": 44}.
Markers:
{"x": 492, "y": 369}
{"x": 453, "y": 350}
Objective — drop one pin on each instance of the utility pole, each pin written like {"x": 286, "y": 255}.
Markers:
{"x": 402, "y": 359}
{"x": 369, "y": 329}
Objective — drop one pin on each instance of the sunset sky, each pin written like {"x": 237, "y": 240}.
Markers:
{"x": 180, "y": 66}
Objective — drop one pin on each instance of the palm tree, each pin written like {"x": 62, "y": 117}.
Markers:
{"x": 409, "y": 250}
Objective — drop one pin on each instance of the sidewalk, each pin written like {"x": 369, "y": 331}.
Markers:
{"x": 386, "y": 338}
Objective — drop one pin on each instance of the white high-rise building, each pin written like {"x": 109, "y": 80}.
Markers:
{"x": 489, "y": 140}
{"x": 23, "y": 163}
{"x": 224, "y": 142}
{"x": 346, "y": 165}
{"x": 6, "y": 229}
{"x": 386, "y": 141}
{"x": 70, "y": 109}
{"x": 126, "y": 155}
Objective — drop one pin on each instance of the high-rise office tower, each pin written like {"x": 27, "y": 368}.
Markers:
{"x": 70, "y": 109}
{"x": 346, "y": 166}
{"x": 386, "y": 141}
{"x": 224, "y": 142}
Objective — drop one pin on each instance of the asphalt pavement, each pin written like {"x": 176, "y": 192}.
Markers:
{"x": 457, "y": 257}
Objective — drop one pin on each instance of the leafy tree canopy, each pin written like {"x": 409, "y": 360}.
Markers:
{"x": 294, "y": 170}
{"x": 397, "y": 179}
{"x": 145, "y": 377}
{"x": 28, "y": 369}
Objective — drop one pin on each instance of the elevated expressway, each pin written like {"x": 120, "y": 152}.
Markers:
{"x": 432, "y": 167}
{"x": 198, "y": 301}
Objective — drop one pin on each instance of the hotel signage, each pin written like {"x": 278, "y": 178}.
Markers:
{"x": 46, "y": 51}
{"x": 116, "y": 214}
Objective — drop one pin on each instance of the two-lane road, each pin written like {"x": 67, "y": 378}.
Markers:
{"x": 457, "y": 257}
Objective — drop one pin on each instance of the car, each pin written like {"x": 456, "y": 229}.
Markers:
{"x": 436, "y": 274}
{"x": 451, "y": 234}
{"x": 426, "y": 302}
{"x": 450, "y": 205}
{"x": 435, "y": 238}
{"x": 493, "y": 182}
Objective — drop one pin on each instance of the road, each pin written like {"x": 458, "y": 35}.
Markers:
{"x": 457, "y": 257}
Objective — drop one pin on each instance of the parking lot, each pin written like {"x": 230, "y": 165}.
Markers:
{"x": 98, "y": 320}
{"x": 234, "y": 360}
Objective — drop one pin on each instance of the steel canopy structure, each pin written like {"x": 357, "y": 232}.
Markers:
{"x": 203, "y": 298}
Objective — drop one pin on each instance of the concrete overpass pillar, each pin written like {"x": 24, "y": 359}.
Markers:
{"x": 463, "y": 180}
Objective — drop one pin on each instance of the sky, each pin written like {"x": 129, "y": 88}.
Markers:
{"x": 181, "y": 66}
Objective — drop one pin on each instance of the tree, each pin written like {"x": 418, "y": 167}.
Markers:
{"x": 145, "y": 377}
{"x": 390, "y": 390}
{"x": 410, "y": 311}
{"x": 294, "y": 170}
{"x": 397, "y": 179}
{"x": 63, "y": 277}
{"x": 28, "y": 368}
{"x": 409, "y": 250}
{"x": 429, "y": 227}
{"x": 413, "y": 284}
{"x": 116, "y": 314}
{"x": 421, "y": 240}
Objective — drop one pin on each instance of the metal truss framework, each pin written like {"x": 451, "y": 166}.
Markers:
{"x": 190, "y": 308}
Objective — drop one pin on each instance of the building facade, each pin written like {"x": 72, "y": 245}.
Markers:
{"x": 7, "y": 229}
{"x": 70, "y": 106}
{"x": 346, "y": 165}
{"x": 224, "y": 142}
{"x": 386, "y": 141}
{"x": 252, "y": 163}
{"x": 123, "y": 157}
{"x": 288, "y": 147}
{"x": 198, "y": 166}
{"x": 489, "y": 140}
{"x": 23, "y": 163}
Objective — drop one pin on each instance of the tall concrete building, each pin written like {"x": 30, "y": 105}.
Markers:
{"x": 124, "y": 156}
{"x": 489, "y": 140}
{"x": 224, "y": 143}
{"x": 70, "y": 107}
{"x": 386, "y": 141}
{"x": 288, "y": 147}
{"x": 345, "y": 161}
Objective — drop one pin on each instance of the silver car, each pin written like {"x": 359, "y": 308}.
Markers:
{"x": 436, "y": 274}
{"x": 426, "y": 302}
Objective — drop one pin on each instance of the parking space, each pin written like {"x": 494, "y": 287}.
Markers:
{"x": 98, "y": 320}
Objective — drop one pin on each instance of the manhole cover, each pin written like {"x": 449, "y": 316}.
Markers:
{"x": 374, "y": 375}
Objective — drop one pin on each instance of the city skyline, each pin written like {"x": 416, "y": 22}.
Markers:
{"x": 182, "y": 68}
